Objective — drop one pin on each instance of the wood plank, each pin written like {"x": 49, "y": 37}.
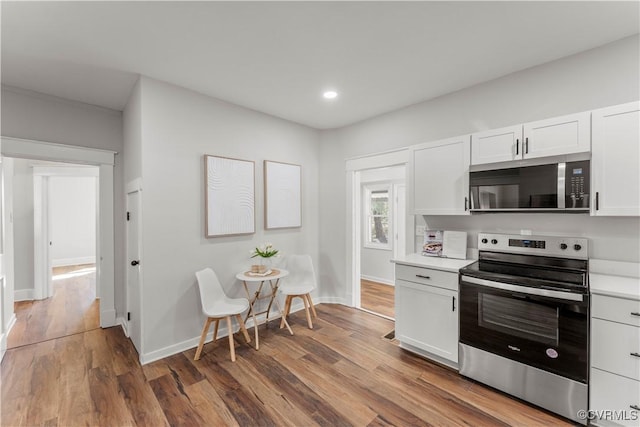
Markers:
{"x": 140, "y": 400}
{"x": 340, "y": 373}
{"x": 377, "y": 297}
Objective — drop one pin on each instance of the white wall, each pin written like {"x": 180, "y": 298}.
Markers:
{"x": 178, "y": 127}
{"x": 604, "y": 76}
{"x": 375, "y": 264}
{"x": 73, "y": 220}
{"x": 30, "y": 115}
{"x": 23, "y": 224}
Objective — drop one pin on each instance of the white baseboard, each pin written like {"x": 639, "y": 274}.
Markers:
{"x": 63, "y": 262}
{"x": 124, "y": 324}
{"x": 23, "y": 295}
{"x": 377, "y": 279}
{"x": 4, "y": 335}
{"x": 222, "y": 332}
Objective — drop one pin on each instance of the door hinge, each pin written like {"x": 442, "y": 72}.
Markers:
{"x": 128, "y": 316}
{"x": 128, "y": 216}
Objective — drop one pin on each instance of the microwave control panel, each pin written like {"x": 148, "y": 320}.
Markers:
{"x": 577, "y": 184}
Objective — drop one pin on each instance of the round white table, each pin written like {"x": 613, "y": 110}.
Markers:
{"x": 273, "y": 279}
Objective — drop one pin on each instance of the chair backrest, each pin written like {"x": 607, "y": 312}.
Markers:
{"x": 210, "y": 288}
{"x": 300, "y": 270}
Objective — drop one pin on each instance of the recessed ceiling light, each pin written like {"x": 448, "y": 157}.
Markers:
{"x": 330, "y": 94}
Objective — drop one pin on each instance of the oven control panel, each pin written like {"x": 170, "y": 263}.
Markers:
{"x": 555, "y": 246}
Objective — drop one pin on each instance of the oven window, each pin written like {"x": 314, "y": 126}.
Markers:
{"x": 520, "y": 318}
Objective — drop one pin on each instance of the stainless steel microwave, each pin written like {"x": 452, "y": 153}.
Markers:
{"x": 555, "y": 187}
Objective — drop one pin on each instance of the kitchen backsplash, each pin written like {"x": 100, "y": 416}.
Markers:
{"x": 610, "y": 238}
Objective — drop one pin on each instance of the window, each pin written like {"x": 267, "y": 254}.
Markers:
{"x": 378, "y": 229}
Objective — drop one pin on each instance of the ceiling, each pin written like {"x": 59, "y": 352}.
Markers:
{"x": 278, "y": 57}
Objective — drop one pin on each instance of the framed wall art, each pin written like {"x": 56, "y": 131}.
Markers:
{"x": 229, "y": 196}
{"x": 282, "y": 195}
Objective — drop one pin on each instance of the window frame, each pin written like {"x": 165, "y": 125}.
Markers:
{"x": 368, "y": 189}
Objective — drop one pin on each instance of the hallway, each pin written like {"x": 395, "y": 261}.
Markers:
{"x": 72, "y": 309}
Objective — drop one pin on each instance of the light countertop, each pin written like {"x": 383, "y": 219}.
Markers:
{"x": 614, "y": 278}
{"x": 615, "y": 286}
{"x": 437, "y": 263}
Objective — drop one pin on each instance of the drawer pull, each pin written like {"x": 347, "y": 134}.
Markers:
{"x": 635, "y": 354}
{"x": 636, "y": 407}
{"x": 633, "y": 313}
{"x": 422, "y": 277}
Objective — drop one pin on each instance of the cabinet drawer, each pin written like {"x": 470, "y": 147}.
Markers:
{"x": 427, "y": 276}
{"x": 612, "y": 348}
{"x": 616, "y": 309}
{"x": 616, "y": 395}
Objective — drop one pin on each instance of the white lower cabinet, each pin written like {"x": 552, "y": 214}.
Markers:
{"x": 427, "y": 312}
{"x": 614, "y": 384}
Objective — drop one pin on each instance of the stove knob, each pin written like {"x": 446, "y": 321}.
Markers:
{"x": 484, "y": 241}
{"x": 494, "y": 241}
{"x": 577, "y": 247}
{"x": 563, "y": 246}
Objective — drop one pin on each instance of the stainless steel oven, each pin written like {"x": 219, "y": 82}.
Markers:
{"x": 524, "y": 319}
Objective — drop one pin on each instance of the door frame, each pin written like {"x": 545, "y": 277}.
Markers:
{"x": 105, "y": 160}
{"x": 43, "y": 284}
{"x": 134, "y": 186}
{"x": 354, "y": 211}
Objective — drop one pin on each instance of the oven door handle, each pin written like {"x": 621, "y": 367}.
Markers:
{"x": 524, "y": 289}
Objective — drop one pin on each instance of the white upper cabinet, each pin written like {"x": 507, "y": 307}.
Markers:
{"x": 439, "y": 174}
{"x": 496, "y": 145}
{"x": 551, "y": 137}
{"x": 615, "y": 161}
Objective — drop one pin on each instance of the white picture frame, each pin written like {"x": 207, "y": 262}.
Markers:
{"x": 229, "y": 196}
{"x": 282, "y": 195}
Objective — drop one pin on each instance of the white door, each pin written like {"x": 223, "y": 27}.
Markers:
{"x": 42, "y": 266}
{"x": 133, "y": 316}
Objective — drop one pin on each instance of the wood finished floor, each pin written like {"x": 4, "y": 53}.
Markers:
{"x": 340, "y": 373}
{"x": 73, "y": 308}
{"x": 377, "y": 297}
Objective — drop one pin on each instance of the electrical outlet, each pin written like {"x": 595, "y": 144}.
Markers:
{"x": 525, "y": 232}
{"x": 420, "y": 229}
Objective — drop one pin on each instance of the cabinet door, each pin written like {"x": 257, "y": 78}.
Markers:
{"x": 440, "y": 177}
{"x": 496, "y": 145}
{"x": 616, "y": 348}
{"x": 557, "y": 136}
{"x": 427, "y": 318}
{"x": 615, "y": 398}
{"x": 615, "y": 161}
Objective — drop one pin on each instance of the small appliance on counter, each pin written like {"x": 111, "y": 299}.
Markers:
{"x": 445, "y": 244}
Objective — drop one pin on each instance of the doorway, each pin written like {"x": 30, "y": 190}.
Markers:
{"x": 382, "y": 217}
{"x": 104, "y": 160}
{"x": 54, "y": 226}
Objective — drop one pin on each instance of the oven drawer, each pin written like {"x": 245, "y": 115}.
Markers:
{"x": 616, "y": 348}
{"x": 427, "y": 276}
{"x": 616, "y": 396}
{"x": 616, "y": 309}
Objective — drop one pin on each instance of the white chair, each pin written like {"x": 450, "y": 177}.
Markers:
{"x": 300, "y": 282}
{"x": 217, "y": 305}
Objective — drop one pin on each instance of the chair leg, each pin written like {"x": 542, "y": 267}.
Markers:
{"x": 215, "y": 330}
{"x": 243, "y": 328}
{"x": 232, "y": 347}
{"x": 287, "y": 309}
{"x": 306, "y": 310}
{"x": 313, "y": 307}
{"x": 205, "y": 329}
